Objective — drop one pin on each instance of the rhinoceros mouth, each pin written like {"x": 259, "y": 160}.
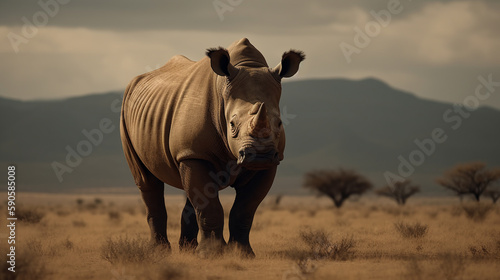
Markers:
{"x": 250, "y": 158}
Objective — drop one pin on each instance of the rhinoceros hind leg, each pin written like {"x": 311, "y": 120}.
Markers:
{"x": 189, "y": 228}
{"x": 156, "y": 212}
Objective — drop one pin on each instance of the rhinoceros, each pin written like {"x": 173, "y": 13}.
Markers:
{"x": 202, "y": 126}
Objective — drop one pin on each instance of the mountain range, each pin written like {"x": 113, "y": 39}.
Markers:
{"x": 73, "y": 145}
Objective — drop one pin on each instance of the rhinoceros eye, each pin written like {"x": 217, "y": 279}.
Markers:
{"x": 234, "y": 126}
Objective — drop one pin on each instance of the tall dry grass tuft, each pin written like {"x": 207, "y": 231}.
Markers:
{"x": 407, "y": 230}
{"x": 488, "y": 251}
{"x": 28, "y": 215}
{"x": 131, "y": 250}
{"x": 303, "y": 268}
{"x": 323, "y": 248}
{"x": 29, "y": 265}
{"x": 114, "y": 216}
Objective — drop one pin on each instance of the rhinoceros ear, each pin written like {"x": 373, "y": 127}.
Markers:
{"x": 220, "y": 62}
{"x": 289, "y": 64}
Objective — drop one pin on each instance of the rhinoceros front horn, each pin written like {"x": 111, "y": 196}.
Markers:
{"x": 259, "y": 126}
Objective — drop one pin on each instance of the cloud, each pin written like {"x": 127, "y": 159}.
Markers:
{"x": 436, "y": 49}
{"x": 463, "y": 32}
{"x": 437, "y": 52}
{"x": 61, "y": 62}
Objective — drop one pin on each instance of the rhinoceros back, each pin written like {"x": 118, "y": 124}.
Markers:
{"x": 169, "y": 115}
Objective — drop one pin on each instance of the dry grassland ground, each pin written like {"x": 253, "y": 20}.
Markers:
{"x": 81, "y": 237}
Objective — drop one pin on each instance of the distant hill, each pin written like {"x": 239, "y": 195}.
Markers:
{"x": 365, "y": 125}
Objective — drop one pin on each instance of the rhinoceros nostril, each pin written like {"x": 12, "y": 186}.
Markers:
{"x": 242, "y": 153}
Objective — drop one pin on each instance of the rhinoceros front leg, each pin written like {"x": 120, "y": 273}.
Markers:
{"x": 249, "y": 195}
{"x": 153, "y": 198}
{"x": 203, "y": 194}
{"x": 189, "y": 228}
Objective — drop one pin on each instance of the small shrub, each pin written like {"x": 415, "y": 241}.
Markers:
{"x": 311, "y": 213}
{"x": 306, "y": 267}
{"x": 29, "y": 215}
{"x": 432, "y": 214}
{"x": 456, "y": 211}
{"x": 80, "y": 202}
{"x": 477, "y": 211}
{"x": 452, "y": 266}
{"x": 114, "y": 216}
{"x": 130, "y": 210}
{"x": 407, "y": 230}
{"x": 79, "y": 223}
{"x": 303, "y": 268}
{"x": 29, "y": 265}
{"x": 62, "y": 213}
{"x": 322, "y": 248}
{"x": 490, "y": 250}
{"x": 479, "y": 252}
{"x": 41, "y": 249}
{"x": 68, "y": 244}
{"x": 129, "y": 250}
{"x": 91, "y": 206}
{"x": 276, "y": 201}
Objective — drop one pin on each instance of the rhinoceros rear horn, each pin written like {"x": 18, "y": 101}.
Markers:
{"x": 220, "y": 62}
{"x": 289, "y": 64}
{"x": 259, "y": 126}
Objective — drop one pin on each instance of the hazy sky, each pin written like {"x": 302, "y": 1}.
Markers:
{"x": 435, "y": 49}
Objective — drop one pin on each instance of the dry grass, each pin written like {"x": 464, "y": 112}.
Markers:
{"x": 321, "y": 247}
{"x": 407, "y": 230}
{"x": 477, "y": 211}
{"x": 29, "y": 215}
{"x": 130, "y": 250}
{"x": 302, "y": 238}
{"x": 30, "y": 266}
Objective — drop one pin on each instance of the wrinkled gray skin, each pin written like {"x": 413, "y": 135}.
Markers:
{"x": 202, "y": 126}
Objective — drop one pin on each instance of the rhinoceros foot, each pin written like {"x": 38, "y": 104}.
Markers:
{"x": 163, "y": 246}
{"x": 244, "y": 251}
{"x": 188, "y": 246}
{"x": 210, "y": 248}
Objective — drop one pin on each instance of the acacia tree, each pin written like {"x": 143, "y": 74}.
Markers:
{"x": 400, "y": 192}
{"x": 494, "y": 194}
{"x": 469, "y": 178}
{"x": 337, "y": 184}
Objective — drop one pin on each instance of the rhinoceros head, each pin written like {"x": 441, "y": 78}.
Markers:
{"x": 251, "y": 92}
